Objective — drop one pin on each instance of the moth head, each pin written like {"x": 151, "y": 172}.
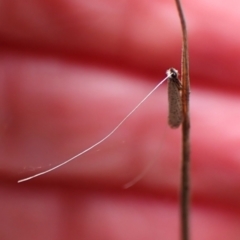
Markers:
{"x": 172, "y": 72}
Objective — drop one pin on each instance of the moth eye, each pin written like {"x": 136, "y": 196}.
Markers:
{"x": 174, "y": 74}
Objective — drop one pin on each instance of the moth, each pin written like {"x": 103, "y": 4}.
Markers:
{"x": 174, "y": 99}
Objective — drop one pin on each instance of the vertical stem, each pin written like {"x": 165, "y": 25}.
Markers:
{"x": 185, "y": 175}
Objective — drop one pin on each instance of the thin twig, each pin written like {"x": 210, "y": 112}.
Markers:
{"x": 185, "y": 175}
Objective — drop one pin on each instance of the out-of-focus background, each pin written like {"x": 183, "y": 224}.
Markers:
{"x": 70, "y": 71}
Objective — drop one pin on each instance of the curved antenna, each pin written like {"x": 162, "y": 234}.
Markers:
{"x": 99, "y": 142}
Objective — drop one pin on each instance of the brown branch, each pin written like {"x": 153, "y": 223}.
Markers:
{"x": 185, "y": 174}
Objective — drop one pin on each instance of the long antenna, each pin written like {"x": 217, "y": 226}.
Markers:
{"x": 99, "y": 142}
